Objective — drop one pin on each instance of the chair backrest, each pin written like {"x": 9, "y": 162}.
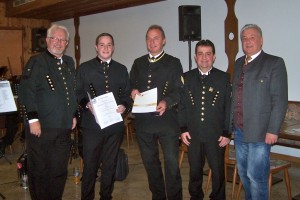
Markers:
{"x": 229, "y": 157}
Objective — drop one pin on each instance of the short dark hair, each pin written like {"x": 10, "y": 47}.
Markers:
{"x": 105, "y": 34}
{"x": 205, "y": 43}
{"x": 158, "y": 27}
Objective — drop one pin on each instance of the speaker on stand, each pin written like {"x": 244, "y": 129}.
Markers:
{"x": 39, "y": 39}
{"x": 189, "y": 25}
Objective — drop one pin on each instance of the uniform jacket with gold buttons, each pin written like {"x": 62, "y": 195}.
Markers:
{"x": 47, "y": 90}
{"x": 165, "y": 74}
{"x": 93, "y": 78}
{"x": 204, "y": 109}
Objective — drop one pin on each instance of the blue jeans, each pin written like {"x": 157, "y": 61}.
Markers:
{"x": 253, "y": 165}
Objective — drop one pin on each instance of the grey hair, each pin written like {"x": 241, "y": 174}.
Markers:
{"x": 55, "y": 27}
{"x": 251, "y": 26}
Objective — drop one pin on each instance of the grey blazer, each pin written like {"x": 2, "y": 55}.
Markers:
{"x": 265, "y": 95}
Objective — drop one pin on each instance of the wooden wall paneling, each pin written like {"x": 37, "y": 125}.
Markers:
{"x": 11, "y": 48}
{"x": 26, "y": 25}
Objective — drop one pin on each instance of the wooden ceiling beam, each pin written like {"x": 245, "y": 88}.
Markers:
{"x": 55, "y": 10}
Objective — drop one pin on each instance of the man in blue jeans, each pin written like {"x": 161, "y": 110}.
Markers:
{"x": 260, "y": 97}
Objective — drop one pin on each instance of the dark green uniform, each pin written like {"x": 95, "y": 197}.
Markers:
{"x": 204, "y": 112}
{"x": 101, "y": 146}
{"x": 163, "y": 73}
{"x": 47, "y": 93}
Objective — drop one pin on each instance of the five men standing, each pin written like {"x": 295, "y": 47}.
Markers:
{"x": 201, "y": 101}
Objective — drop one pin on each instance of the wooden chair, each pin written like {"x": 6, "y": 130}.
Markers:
{"x": 128, "y": 129}
{"x": 182, "y": 150}
{"x": 275, "y": 167}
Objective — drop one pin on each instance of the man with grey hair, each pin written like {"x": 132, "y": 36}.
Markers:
{"x": 260, "y": 96}
{"x": 47, "y": 94}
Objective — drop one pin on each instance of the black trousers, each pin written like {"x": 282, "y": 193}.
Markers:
{"x": 197, "y": 152}
{"x": 171, "y": 186}
{"x": 48, "y": 163}
{"x": 99, "y": 148}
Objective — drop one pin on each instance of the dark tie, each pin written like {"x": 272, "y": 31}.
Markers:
{"x": 104, "y": 63}
{"x": 202, "y": 76}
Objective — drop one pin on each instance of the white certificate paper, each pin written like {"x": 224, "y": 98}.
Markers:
{"x": 104, "y": 110}
{"x": 146, "y": 102}
{"x": 7, "y": 101}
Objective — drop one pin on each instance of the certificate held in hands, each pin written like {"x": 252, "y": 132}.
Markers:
{"x": 146, "y": 102}
{"x": 105, "y": 110}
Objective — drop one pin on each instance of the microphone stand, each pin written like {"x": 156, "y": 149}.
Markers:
{"x": 190, "y": 54}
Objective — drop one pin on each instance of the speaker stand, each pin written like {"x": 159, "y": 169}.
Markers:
{"x": 190, "y": 53}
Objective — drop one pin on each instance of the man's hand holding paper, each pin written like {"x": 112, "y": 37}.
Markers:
{"x": 105, "y": 110}
{"x": 145, "y": 102}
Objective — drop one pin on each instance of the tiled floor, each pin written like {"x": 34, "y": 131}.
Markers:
{"x": 135, "y": 187}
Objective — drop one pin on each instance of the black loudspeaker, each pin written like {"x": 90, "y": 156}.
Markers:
{"x": 39, "y": 39}
{"x": 189, "y": 23}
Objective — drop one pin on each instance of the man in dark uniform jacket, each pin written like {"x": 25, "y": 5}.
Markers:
{"x": 204, "y": 118}
{"x": 47, "y": 93}
{"x": 99, "y": 76}
{"x": 162, "y": 71}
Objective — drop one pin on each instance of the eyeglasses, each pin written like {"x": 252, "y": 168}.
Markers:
{"x": 55, "y": 39}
